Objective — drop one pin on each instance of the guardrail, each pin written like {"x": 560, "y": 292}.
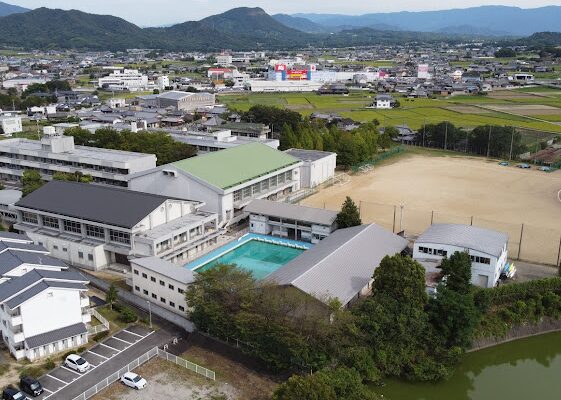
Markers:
{"x": 207, "y": 373}
{"x": 117, "y": 375}
{"x": 155, "y": 352}
{"x": 93, "y": 330}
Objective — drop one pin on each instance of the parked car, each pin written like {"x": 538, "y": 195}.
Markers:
{"x": 11, "y": 393}
{"x": 523, "y": 166}
{"x": 133, "y": 380}
{"x": 31, "y": 386}
{"x": 77, "y": 363}
{"x": 504, "y": 163}
{"x": 545, "y": 169}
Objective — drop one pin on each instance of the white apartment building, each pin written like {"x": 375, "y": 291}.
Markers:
{"x": 227, "y": 180}
{"x": 94, "y": 226}
{"x": 57, "y": 153}
{"x": 224, "y": 60}
{"x": 161, "y": 282}
{"x": 125, "y": 79}
{"x": 207, "y": 142}
{"x": 486, "y": 248}
{"x": 290, "y": 221}
{"x": 33, "y": 286}
{"x": 10, "y": 124}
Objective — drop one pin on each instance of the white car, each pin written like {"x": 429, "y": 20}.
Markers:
{"x": 77, "y": 363}
{"x": 133, "y": 380}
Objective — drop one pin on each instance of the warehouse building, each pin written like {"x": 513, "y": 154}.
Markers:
{"x": 317, "y": 166}
{"x": 486, "y": 248}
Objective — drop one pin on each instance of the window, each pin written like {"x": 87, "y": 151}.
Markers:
{"x": 80, "y": 255}
{"x": 237, "y": 195}
{"x": 119, "y": 237}
{"x": 480, "y": 260}
{"x": 50, "y": 222}
{"x": 72, "y": 226}
{"x": 153, "y": 279}
{"x": 163, "y": 300}
{"x": 162, "y": 283}
{"x": 145, "y": 292}
{"x": 30, "y": 218}
{"x": 95, "y": 231}
{"x": 65, "y": 249}
{"x": 55, "y": 247}
{"x": 135, "y": 271}
{"x": 181, "y": 308}
{"x": 172, "y": 304}
{"x": 154, "y": 296}
{"x": 170, "y": 286}
{"x": 90, "y": 257}
{"x": 137, "y": 288}
{"x": 144, "y": 276}
{"x": 247, "y": 192}
{"x": 180, "y": 291}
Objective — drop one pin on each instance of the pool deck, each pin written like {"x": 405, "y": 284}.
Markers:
{"x": 213, "y": 255}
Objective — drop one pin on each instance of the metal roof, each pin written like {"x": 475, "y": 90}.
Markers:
{"x": 40, "y": 287}
{"x": 342, "y": 264}
{"x": 11, "y": 259}
{"x": 103, "y": 204}
{"x": 166, "y": 268}
{"x": 56, "y": 335}
{"x": 291, "y": 211}
{"x": 234, "y": 166}
{"x": 308, "y": 155}
{"x": 470, "y": 237}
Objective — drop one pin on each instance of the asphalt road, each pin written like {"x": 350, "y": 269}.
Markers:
{"x": 106, "y": 358}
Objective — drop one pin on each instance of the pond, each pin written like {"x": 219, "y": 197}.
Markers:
{"x": 524, "y": 369}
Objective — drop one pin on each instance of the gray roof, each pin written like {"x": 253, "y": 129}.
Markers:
{"x": 174, "y": 95}
{"x": 9, "y": 197}
{"x": 342, "y": 264}
{"x": 11, "y": 259}
{"x": 103, "y": 204}
{"x": 40, "y": 287}
{"x": 166, "y": 268}
{"x": 11, "y": 236}
{"x": 291, "y": 211}
{"x": 470, "y": 237}
{"x": 7, "y": 245}
{"x": 56, "y": 335}
{"x": 308, "y": 155}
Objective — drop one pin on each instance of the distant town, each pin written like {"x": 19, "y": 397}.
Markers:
{"x": 370, "y": 221}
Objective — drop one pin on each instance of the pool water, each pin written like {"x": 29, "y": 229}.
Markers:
{"x": 260, "y": 258}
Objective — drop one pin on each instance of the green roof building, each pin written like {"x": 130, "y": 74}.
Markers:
{"x": 227, "y": 180}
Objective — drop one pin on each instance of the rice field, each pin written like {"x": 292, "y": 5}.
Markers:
{"x": 499, "y": 108}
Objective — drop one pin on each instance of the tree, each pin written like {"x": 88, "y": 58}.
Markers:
{"x": 457, "y": 272}
{"x": 31, "y": 181}
{"x": 72, "y": 177}
{"x": 111, "y": 295}
{"x": 505, "y": 52}
{"x": 349, "y": 215}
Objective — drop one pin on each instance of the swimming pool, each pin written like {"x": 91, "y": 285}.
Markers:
{"x": 259, "y": 254}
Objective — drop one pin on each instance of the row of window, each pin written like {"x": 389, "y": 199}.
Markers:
{"x": 435, "y": 252}
{"x": 162, "y": 283}
{"x": 50, "y": 172}
{"x": 263, "y": 186}
{"x": 480, "y": 260}
{"x": 162, "y": 299}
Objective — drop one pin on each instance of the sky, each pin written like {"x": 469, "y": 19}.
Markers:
{"x": 162, "y": 12}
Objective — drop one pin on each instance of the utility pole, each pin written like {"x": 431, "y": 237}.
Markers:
{"x": 511, "y": 144}
{"x": 150, "y": 312}
{"x": 489, "y": 143}
{"x": 424, "y": 131}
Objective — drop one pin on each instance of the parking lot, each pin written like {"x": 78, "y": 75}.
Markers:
{"x": 105, "y": 357}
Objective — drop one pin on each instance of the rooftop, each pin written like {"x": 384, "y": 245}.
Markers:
{"x": 166, "y": 268}
{"x": 291, "y": 211}
{"x": 342, "y": 264}
{"x": 97, "y": 203}
{"x": 471, "y": 237}
{"x": 308, "y": 155}
{"x": 93, "y": 153}
{"x": 231, "y": 167}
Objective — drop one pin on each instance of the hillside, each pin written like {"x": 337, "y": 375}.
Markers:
{"x": 301, "y": 24}
{"x": 501, "y": 19}
{"x": 8, "y": 9}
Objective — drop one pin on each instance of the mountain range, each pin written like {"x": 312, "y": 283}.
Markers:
{"x": 495, "y": 20}
{"x": 7, "y": 9}
{"x": 237, "y": 29}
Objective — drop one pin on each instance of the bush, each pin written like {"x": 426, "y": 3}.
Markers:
{"x": 100, "y": 336}
{"x": 33, "y": 371}
{"x": 49, "y": 364}
{"x": 127, "y": 315}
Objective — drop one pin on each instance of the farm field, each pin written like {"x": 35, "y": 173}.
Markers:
{"x": 453, "y": 189}
{"x": 539, "y": 110}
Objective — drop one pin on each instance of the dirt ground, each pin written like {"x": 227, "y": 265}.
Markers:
{"x": 464, "y": 190}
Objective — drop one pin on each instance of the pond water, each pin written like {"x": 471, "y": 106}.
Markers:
{"x": 526, "y": 369}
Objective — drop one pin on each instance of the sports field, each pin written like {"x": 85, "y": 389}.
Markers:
{"x": 507, "y": 107}
{"x": 453, "y": 189}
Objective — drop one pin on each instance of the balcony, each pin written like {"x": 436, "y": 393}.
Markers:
{"x": 16, "y": 320}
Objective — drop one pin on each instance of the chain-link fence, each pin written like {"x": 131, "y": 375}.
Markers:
{"x": 527, "y": 242}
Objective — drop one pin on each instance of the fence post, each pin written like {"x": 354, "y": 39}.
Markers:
{"x": 431, "y": 216}
{"x": 360, "y": 208}
{"x": 559, "y": 255}
{"x": 471, "y": 223}
{"x": 394, "y": 214}
{"x": 520, "y": 243}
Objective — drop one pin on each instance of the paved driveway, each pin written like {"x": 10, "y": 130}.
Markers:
{"x": 106, "y": 358}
